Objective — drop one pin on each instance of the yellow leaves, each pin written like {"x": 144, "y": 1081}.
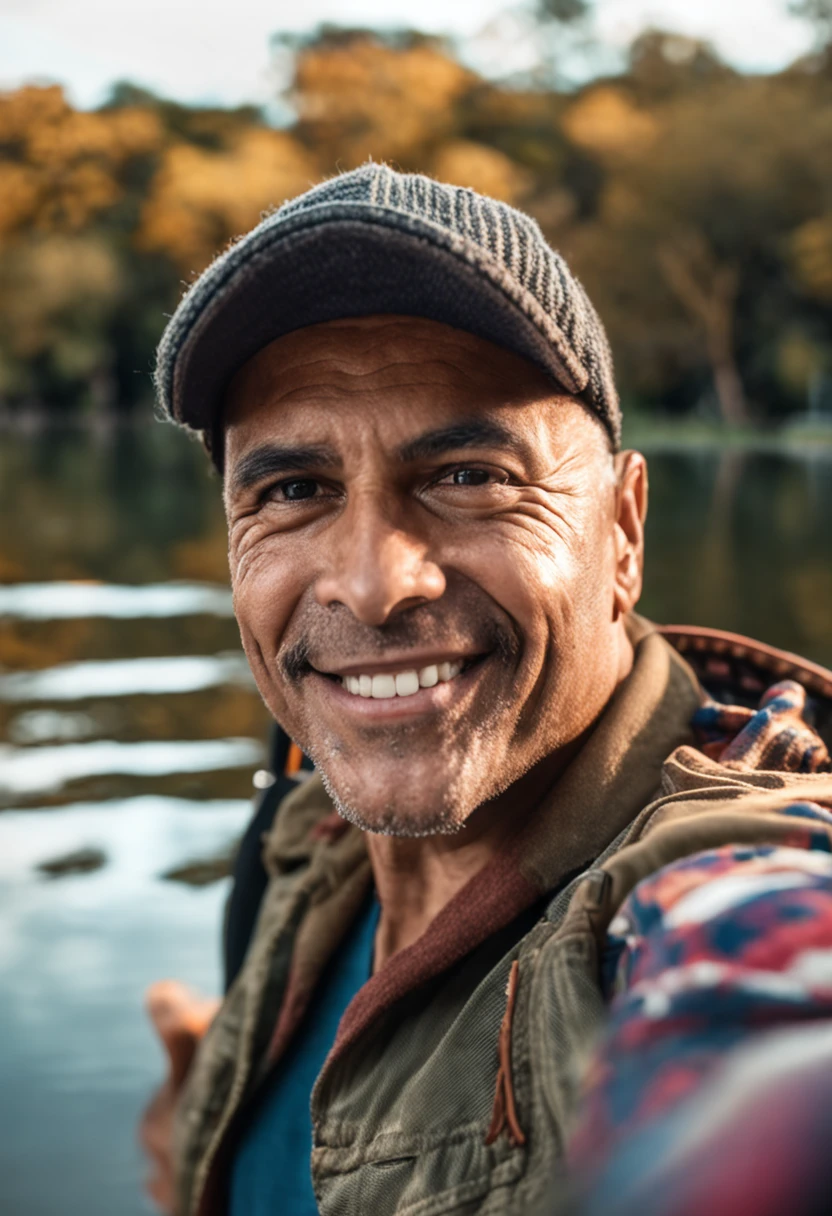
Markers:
{"x": 41, "y": 279}
{"x": 364, "y": 99}
{"x": 811, "y": 249}
{"x": 59, "y": 167}
{"x": 799, "y": 360}
{"x": 111, "y": 137}
{"x": 66, "y": 269}
{"x": 613, "y": 174}
{"x": 200, "y": 199}
{"x": 607, "y": 123}
{"x": 86, "y": 190}
{"x": 464, "y": 163}
{"x": 29, "y": 110}
{"x": 19, "y": 195}
{"x": 44, "y": 128}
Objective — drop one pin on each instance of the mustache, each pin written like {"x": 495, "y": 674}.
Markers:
{"x": 339, "y": 633}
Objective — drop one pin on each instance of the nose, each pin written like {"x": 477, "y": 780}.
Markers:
{"x": 377, "y": 566}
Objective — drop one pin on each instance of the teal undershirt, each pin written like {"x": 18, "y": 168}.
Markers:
{"x": 270, "y": 1174}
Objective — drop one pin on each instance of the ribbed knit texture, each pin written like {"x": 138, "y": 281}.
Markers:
{"x": 502, "y": 246}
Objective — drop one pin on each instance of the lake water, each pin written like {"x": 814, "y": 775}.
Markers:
{"x": 130, "y": 731}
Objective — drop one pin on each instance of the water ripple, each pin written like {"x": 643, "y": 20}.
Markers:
{"x": 28, "y": 770}
{"x": 126, "y": 677}
{"x": 66, "y": 601}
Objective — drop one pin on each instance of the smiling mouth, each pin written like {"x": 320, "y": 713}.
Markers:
{"x": 389, "y": 685}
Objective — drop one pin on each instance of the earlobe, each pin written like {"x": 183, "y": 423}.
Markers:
{"x": 627, "y": 585}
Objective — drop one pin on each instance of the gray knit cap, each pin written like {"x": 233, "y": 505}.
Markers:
{"x": 376, "y": 241}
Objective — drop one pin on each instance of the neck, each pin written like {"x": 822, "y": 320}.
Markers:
{"x": 416, "y": 878}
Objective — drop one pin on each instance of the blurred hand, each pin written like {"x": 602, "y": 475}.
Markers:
{"x": 180, "y": 1017}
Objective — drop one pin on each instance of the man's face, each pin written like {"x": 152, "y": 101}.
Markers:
{"x": 426, "y": 563}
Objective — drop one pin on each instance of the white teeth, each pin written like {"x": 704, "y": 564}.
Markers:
{"x": 407, "y": 683}
{"x": 404, "y": 684}
{"x": 384, "y": 686}
{"x": 447, "y": 671}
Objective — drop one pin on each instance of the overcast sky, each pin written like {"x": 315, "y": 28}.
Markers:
{"x": 205, "y": 51}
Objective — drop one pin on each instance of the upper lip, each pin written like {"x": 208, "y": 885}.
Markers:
{"x": 408, "y": 661}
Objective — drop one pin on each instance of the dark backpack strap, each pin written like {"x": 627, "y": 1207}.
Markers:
{"x": 249, "y": 877}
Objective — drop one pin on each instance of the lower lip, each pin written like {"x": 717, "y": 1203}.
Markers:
{"x": 376, "y": 709}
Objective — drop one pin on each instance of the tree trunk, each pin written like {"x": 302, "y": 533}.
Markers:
{"x": 708, "y": 293}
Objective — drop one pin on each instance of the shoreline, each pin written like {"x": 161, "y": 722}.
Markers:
{"x": 686, "y": 435}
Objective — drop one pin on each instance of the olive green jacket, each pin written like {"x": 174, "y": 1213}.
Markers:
{"x": 451, "y": 1084}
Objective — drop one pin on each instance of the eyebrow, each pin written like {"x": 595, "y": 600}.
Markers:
{"x": 474, "y": 432}
{"x": 271, "y": 459}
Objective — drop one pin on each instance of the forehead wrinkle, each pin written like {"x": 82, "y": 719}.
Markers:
{"x": 387, "y": 344}
{"x": 342, "y": 374}
{"x": 492, "y": 390}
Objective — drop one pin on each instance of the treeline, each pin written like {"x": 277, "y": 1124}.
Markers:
{"x": 693, "y": 201}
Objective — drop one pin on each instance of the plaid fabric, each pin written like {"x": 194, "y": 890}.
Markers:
{"x": 775, "y": 736}
{"x": 715, "y": 1072}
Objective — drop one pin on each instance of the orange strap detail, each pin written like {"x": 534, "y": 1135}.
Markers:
{"x": 504, "y": 1114}
{"x": 294, "y": 759}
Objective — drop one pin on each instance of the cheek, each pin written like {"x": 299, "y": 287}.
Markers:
{"x": 267, "y": 581}
{"x": 535, "y": 577}
{"x": 556, "y": 588}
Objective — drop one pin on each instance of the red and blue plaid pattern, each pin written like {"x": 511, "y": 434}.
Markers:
{"x": 719, "y": 969}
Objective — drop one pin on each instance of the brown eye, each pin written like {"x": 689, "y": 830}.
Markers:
{"x": 294, "y": 491}
{"x": 470, "y": 477}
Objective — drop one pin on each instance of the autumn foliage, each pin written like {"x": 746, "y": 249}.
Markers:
{"x": 693, "y": 201}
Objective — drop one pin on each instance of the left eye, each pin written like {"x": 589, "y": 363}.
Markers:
{"x": 470, "y": 477}
{"x": 301, "y": 488}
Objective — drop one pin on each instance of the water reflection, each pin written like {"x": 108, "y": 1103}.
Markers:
{"x": 80, "y": 861}
{"x": 129, "y": 733}
{"x": 50, "y": 725}
{"x": 75, "y": 957}
{"x": 68, "y": 601}
{"x": 27, "y": 770}
{"x": 126, "y": 677}
{"x": 742, "y": 541}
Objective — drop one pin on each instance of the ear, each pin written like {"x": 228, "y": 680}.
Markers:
{"x": 631, "y": 510}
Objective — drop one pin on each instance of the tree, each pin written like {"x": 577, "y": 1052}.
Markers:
{"x": 708, "y": 291}
{"x": 359, "y": 94}
{"x": 692, "y": 200}
{"x": 201, "y": 198}
{"x": 693, "y": 249}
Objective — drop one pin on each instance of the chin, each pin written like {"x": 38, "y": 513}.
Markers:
{"x": 393, "y": 813}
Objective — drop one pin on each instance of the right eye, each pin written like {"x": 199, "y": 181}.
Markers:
{"x": 293, "y": 489}
{"x": 301, "y": 487}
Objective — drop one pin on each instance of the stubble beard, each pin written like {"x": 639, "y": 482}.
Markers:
{"x": 470, "y": 778}
{"x": 464, "y": 757}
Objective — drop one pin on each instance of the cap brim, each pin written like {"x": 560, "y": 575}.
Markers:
{"x": 338, "y": 268}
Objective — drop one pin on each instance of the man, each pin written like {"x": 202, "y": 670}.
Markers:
{"x": 436, "y": 548}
